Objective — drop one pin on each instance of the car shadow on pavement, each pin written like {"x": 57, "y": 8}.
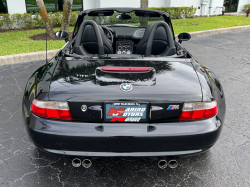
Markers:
{"x": 116, "y": 171}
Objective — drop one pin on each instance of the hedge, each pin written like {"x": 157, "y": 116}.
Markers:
{"x": 174, "y": 12}
{"x": 245, "y": 7}
{"x": 30, "y": 20}
{"x": 178, "y": 12}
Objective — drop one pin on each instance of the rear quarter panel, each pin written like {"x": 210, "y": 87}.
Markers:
{"x": 37, "y": 87}
{"x": 211, "y": 88}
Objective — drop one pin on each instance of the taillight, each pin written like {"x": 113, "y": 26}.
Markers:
{"x": 198, "y": 110}
{"x": 126, "y": 69}
{"x": 51, "y": 109}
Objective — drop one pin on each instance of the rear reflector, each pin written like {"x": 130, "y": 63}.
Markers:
{"x": 51, "y": 109}
{"x": 198, "y": 110}
{"x": 126, "y": 69}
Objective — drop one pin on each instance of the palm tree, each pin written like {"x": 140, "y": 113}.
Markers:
{"x": 144, "y": 20}
{"x": 144, "y": 3}
{"x": 66, "y": 15}
{"x": 45, "y": 17}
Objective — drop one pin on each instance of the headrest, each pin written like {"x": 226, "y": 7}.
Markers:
{"x": 89, "y": 34}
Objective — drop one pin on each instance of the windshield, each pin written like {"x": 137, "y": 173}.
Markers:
{"x": 132, "y": 19}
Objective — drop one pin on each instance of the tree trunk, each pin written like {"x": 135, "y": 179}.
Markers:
{"x": 144, "y": 3}
{"x": 45, "y": 17}
{"x": 248, "y": 11}
{"x": 144, "y": 20}
{"x": 56, "y": 6}
{"x": 66, "y": 15}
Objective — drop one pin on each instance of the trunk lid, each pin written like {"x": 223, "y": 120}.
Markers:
{"x": 168, "y": 83}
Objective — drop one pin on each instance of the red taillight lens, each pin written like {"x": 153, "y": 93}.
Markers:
{"x": 126, "y": 69}
{"x": 51, "y": 109}
{"x": 199, "y": 110}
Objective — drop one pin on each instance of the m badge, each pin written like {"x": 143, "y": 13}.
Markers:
{"x": 173, "y": 107}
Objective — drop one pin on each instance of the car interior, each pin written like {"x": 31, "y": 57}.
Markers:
{"x": 124, "y": 40}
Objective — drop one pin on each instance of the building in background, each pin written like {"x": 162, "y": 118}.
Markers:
{"x": 22, "y": 6}
{"x": 212, "y": 7}
{"x": 202, "y": 5}
{"x": 53, "y": 5}
{"x": 235, "y": 5}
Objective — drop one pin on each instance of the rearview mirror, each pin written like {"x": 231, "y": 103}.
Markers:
{"x": 184, "y": 37}
{"x": 123, "y": 17}
{"x": 62, "y": 35}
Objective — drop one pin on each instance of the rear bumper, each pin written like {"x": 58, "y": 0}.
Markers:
{"x": 123, "y": 139}
{"x": 128, "y": 154}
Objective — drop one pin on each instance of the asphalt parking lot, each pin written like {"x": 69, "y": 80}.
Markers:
{"x": 226, "y": 164}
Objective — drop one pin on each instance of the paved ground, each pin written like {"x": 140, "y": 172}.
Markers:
{"x": 226, "y": 164}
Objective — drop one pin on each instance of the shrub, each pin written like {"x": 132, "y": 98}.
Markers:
{"x": 73, "y": 18}
{"x": 34, "y": 20}
{"x": 38, "y": 22}
{"x": 245, "y": 7}
{"x": 178, "y": 12}
{"x": 55, "y": 18}
{"x": 7, "y": 21}
{"x": 29, "y": 20}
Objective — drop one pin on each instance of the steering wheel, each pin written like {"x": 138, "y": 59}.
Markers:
{"x": 109, "y": 35}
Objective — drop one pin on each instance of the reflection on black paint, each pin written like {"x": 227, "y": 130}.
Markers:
{"x": 110, "y": 78}
{"x": 35, "y": 78}
{"x": 87, "y": 71}
{"x": 216, "y": 81}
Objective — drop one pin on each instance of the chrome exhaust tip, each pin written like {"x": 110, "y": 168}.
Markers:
{"x": 172, "y": 163}
{"x": 76, "y": 162}
{"x": 162, "y": 164}
{"x": 86, "y": 163}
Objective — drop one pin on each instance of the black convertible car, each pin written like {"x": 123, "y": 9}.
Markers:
{"x": 123, "y": 86}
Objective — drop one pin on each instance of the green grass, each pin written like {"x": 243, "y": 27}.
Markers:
{"x": 200, "y": 24}
{"x": 19, "y": 42}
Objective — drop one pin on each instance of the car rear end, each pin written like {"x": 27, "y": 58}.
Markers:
{"x": 119, "y": 109}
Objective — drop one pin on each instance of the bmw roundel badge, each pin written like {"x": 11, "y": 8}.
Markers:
{"x": 126, "y": 87}
{"x": 84, "y": 108}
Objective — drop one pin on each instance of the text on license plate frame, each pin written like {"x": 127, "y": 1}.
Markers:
{"x": 120, "y": 112}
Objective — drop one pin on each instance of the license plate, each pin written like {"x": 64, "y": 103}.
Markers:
{"x": 126, "y": 112}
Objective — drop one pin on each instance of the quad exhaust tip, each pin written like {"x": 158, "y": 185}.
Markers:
{"x": 76, "y": 162}
{"x": 162, "y": 164}
{"x": 86, "y": 163}
{"x": 173, "y": 163}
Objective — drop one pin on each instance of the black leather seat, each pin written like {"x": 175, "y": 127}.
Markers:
{"x": 88, "y": 36}
{"x": 157, "y": 40}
